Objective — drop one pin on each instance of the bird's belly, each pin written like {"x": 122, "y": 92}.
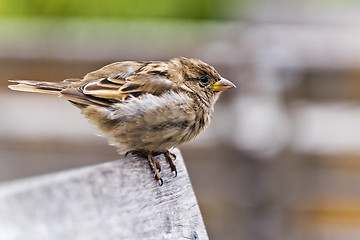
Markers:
{"x": 152, "y": 123}
{"x": 155, "y": 135}
{"x": 155, "y": 123}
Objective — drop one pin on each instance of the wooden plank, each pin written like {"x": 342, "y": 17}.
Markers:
{"x": 116, "y": 200}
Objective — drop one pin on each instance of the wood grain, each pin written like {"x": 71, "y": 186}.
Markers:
{"x": 116, "y": 200}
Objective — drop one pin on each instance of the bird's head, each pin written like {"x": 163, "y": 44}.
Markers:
{"x": 201, "y": 78}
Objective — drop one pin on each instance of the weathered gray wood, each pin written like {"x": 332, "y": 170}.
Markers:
{"x": 116, "y": 200}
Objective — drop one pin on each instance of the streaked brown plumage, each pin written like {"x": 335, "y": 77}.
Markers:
{"x": 144, "y": 108}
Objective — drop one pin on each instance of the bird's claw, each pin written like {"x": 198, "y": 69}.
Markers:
{"x": 132, "y": 152}
{"x": 169, "y": 157}
{"x": 159, "y": 179}
{"x": 175, "y": 173}
{"x": 127, "y": 153}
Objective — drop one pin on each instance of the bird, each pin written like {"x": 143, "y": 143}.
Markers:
{"x": 144, "y": 108}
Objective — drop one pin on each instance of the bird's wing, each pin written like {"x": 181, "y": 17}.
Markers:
{"x": 117, "y": 82}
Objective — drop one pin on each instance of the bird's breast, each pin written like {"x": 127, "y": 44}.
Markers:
{"x": 157, "y": 123}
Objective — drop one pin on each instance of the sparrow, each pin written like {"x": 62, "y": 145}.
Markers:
{"x": 143, "y": 107}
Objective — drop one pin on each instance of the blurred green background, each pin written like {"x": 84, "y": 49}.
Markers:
{"x": 137, "y": 9}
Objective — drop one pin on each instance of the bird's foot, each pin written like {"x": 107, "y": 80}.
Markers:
{"x": 155, "y": 167}
{"x": 154, "y": 164}
{"x": 170, "y": 157}
{"x": 133, "y": 152}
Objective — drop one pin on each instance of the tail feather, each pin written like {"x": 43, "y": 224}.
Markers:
{"x": 39, "y": 87}
{"x": 63, "y": 89}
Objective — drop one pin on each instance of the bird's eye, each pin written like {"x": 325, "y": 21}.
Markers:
{"x": 204, "y": 81}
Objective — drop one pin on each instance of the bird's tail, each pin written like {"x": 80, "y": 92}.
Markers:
{"x": 39, "y": 87}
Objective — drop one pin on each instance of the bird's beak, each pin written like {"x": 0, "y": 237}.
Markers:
{"x": 222, "y": 85}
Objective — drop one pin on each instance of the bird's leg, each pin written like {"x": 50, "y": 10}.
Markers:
{"x": 154, "y": 167}
{"x": 170, "y": 157}
{"x": 154, "y": 164}
{"x": 158, "y": 166}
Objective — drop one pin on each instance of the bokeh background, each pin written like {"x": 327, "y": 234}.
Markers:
{"x": 281, "y": 159}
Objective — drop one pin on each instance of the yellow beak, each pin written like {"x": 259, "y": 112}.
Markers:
{"x": 222, "y": 85}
